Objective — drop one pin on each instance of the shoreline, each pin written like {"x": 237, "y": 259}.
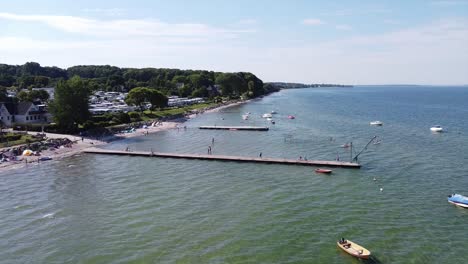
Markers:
{"x": 80, "y": 145}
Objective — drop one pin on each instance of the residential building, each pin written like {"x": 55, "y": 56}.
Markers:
{"x": 23, "y": 113}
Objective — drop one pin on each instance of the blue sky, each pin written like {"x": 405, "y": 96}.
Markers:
{"x": 352, "y": 42}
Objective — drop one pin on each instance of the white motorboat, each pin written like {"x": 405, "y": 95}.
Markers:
{"x": 267, "y": 115}
{"x": 269, "y": 118}
{"x": 437, "y": 129}
{"x": 245, "y": 117}
{"x": 376, "y": 123}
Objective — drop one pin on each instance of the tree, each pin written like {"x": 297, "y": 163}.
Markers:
{"x": 41, "y": 95}
{"x": 231, "y": 84}
{"x": 3, "y": 94}
{"x": 6, "y": 80}
{"x": 137, "y": 96}
{"x": 31, "y": 68}
{"x": 70, "y": 106}
{"x": 140, "y": 95}
{"x": 23, "y": 96}
{"x": 200, "y": 92}
{"x": 157, "y": 99}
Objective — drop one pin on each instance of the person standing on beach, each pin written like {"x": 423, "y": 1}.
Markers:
{"x": 212, "y": 141}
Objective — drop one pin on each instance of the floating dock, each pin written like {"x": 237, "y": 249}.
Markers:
{"x": 249, "y": 128}
{"x": 226, "y": 158}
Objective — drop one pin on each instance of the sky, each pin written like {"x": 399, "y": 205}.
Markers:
{"x": 345, "y": 42}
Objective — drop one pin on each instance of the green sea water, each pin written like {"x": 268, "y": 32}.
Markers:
{"x": 116, "y": 209}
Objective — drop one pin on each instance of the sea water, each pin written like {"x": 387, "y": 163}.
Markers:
{"x": 118, "y": 209}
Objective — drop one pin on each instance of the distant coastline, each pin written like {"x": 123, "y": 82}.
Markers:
{"x": 288, "y": 85}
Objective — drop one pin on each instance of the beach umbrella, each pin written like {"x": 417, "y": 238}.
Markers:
{"x": 27, "y": 152}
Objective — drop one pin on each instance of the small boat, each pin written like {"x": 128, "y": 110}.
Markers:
{"x": 267, "y": 115}
{"x": 45, "y": 158}
{"x": 353, "y": 249}
{"x": 245, "y": 117}
{"x": 345, "y": 145}
{"x": 269, "y": 118}
{"x": 272, "y": 121}
{"x": 376, "y": 123}
{"x": 291, "y": 117}
{"x": 377, "y": 142}
{"x": 458, "y": 199}
{"x": 437, "y": 129}
{"x": 274, "y": 112}
{"x": 323, "y": 171}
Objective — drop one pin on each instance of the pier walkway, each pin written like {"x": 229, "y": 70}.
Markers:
{"x": 226, "y": 158}
{"x": 250, "y": 128}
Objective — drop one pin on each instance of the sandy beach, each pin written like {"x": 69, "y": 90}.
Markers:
{"x": 80, "y": 145}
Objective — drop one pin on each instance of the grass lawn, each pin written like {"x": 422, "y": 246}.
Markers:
{"x": 174, "y": 111}
{"x": 25, "y": 139}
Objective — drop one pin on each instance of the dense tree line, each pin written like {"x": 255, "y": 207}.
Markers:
{"x": 195, "y": 83}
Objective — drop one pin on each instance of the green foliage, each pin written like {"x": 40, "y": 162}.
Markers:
{"x": 12, "y": 139}
{"x": 232, "y": 84}
{"x": 23, "y": 96}
{"x": 141, "y": 95}
{"x": 3, "y": 94}
{"x": 33, "y": 95}
{"x": 111, "y": 78}
{"x": 200, "y": 92}
{"x": 70, "y": 106}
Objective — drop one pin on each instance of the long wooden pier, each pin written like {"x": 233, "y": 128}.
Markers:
{"x": 251, "y": 128}
{"x": 226, "y": 158}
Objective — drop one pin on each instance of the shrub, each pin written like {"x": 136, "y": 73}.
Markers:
{"x": 134, "y": 115}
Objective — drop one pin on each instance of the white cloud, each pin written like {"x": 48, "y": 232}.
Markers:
{"x": 343, "y": 27}
{"x": 436, "y": 53}
{"x": 123, "y": 28}
{"x": 312, "y": 22}
{"x": 432, "y": 54}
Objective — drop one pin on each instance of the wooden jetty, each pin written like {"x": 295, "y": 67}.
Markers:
{"x": 249, "y": 128}
{"x": 226, "y": 158}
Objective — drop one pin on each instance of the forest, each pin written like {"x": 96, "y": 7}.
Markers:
{"x": 184, "y": 83}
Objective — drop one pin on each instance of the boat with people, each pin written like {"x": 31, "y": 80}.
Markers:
{"x": 353, "y": 249}
{"x": 437, "y": 128}
{"x": 376, "y": 123}
{"x": 326, "y": 171}
{"x": 458, "y": 199}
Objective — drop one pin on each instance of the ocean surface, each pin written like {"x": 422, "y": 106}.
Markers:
{"x": 112, "y": 209}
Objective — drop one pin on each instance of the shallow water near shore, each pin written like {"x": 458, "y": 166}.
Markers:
{"x": 112, "y": 209}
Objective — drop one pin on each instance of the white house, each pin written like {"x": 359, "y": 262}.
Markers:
{"x": 5, "y": 117}
{"x": 23, "y": 113}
